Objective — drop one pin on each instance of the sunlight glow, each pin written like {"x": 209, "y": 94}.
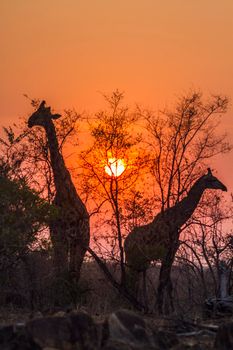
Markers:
{"x": 115, "y": 167}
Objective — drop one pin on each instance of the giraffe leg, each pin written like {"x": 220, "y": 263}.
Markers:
{"x": 132, "y": 281}
{"x": 77, "y": 254}
{"x": 165, "y": 284}
{"x": 174, "y": 248}
{"x": 161, "y": 289}
{"x": 145, "y": 296}
{"x": 76, "y": 259}
{"x": 79, "y": 234}
{"x": 170, "y": 294}
{"x": 60, "y": 262}
{"x": 60, "y": 251}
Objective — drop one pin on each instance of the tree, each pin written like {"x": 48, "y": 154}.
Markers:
{"x": 112, "y": 167}
{"x": 206, "y": 245}
{"x": 183, "y": 142}
{"x": 23, "y": 215}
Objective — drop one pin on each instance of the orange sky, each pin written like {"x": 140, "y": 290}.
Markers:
{"x": 68, "y": 51}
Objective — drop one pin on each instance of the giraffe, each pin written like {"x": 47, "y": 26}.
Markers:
{"x": 159, "y": 240}
{"x": 70, "y": 231}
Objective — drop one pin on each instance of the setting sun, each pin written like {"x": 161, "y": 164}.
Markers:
{"x": 115, "y": 167}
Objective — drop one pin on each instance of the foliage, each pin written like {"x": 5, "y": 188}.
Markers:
{"x": 208, "y": 243}
{"x": 114, "y": 139}
{"x": 23, "y": 215}
{"x": 183, "y": 142}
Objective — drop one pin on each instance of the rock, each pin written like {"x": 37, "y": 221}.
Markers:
{"x": 224, "y": 337}
{"x": 85, "y": 331}
{"x": 60, "y": 314}
{"x": 6, "y": 334}
{"x": 76, "y": 331}
{"x": 126, "y": 330}
{"x": 122, "y": 330}
{"x": 218, "y": 306}
{"x": 36, "y": 314}
{"x": 16, "y": 338}
{"x": 50, "y": 332}
{"x": 165, "y": 340}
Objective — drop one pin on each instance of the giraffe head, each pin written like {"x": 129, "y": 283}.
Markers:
{"x": 212, "y": 182}
{"x": 42, "y": 116}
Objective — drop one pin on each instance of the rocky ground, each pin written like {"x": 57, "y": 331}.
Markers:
{"x": 121, "y": 330}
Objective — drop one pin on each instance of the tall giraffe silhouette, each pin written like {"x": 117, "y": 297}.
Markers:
{"x": 70, "y": 231}
{"x": 160, "y": 239}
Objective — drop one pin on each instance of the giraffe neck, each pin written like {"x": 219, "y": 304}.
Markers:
{"x": 65, "y": 189}
{"x": 184, "y": 209}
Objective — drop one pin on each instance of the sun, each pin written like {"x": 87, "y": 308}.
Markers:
{"x": 115, "y": 167}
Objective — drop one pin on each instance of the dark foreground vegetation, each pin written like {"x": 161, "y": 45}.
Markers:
{"x": 31, "y": 288}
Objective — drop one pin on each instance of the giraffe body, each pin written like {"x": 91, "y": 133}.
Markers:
{"x": 70, "y": 232}
{"x": 159, "y": 240}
